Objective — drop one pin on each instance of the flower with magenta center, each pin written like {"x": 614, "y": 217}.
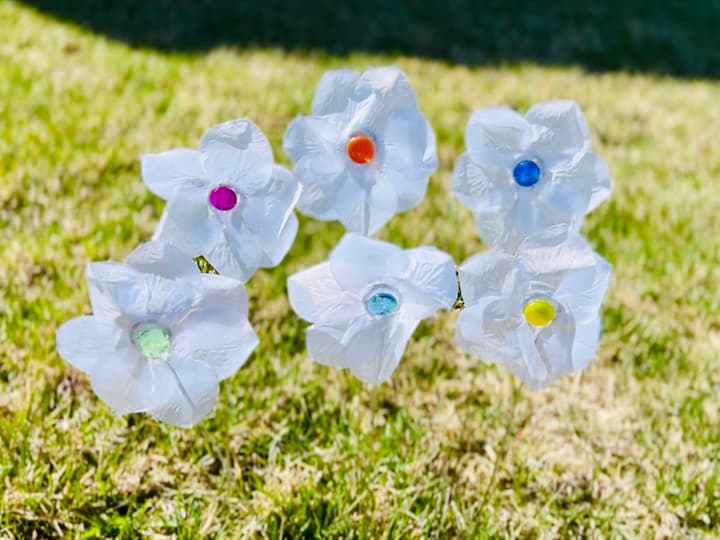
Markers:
{"x": 226, "y": 201}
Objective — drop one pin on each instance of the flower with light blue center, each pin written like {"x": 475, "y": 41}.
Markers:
{"x": 161, "y": 336}
{"x": 365, "y": 302}
{"x": 523, "y": 174}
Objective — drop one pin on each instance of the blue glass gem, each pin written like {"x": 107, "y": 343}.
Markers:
{"x": 382, "y": 304}
{"x": 527, "y": 173}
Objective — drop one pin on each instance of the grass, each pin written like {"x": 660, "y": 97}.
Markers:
{"x": 451, "y": 447}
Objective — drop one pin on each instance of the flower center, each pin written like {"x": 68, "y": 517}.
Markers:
{"x": 360, "y": 149}
{"x": 527, "y": 173}
{"x": 223, "y": 198}
{"x": 539, "y": 312}
{"x": 152, "y": 340}
{"x": 382, "y": 302}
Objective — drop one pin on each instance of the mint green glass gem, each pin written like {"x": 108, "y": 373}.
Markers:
{"x": 152, "y": 341}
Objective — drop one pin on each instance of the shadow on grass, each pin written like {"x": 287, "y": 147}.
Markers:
{"x": 672, "y": 37}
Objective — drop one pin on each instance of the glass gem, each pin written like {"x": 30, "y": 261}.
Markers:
{"x": 360, "y": 149}
{"x": 152, "y": 340}
{"x": 539, "y": 312}
{"x": 527, "y": 173}
{"x": 223, "y": 198}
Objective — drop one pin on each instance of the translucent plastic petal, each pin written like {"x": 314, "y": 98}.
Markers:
{"x": 268, "y": 212}
{"x": 315, "y": 146}
{"x": 409, "y": 156}
{"x": 431, "y": 282}
{"x": 164, "y": 172}
{"x": 483, "y": 187}
{"x": 334, "y": 91}
{"x": 562, "y": 129}
{"x": 316, "y": 296}
{"x": 238, "y": 153}
{"x": 187, "y": 222}
{"x": 536, "y": 372}
{"x": 357, "y": 262}
{"x": 183, "y": 391}
{"x": 487, "y": 330}
{"x": 134, "y": 294}
{"x": 583, "y": 290}
{"x": 497, "y": 136}
{"x": 212, "y": 289}
{"x": 85, "y": 341}
{"x": 391, "y": 86}
{"x": 585, "y": 343}
{"x": 122, "y": 381}
{"x": 371, "y": 349}
{"x": 217, "y": 335}
{"x": 157, "y": 257}
{"x": 556, "y": 249}
{"x": 578, "y": 184}
{"x": 491, "y": 273}
{"x": 235, "y": 252}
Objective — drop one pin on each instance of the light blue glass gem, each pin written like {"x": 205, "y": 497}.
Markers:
{"x": 382, "y": 304}
{"x": 527, "y": 173}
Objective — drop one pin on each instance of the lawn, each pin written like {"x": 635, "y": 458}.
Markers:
{"x": 450, "y": 447}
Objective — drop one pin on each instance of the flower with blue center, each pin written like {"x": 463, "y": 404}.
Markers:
{"x": 226, "y": 201}
{"x": 538, "y": 310}
{"x": 365, "y": 302}
{"x": 161, "y": 336}
{"x": 521, "y": 175}
{"x": 366, "y": 152}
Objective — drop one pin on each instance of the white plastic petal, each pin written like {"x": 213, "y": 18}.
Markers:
{"x": 491, "y": 273}
{"x": 481, "y": 186}
{"x": 357, "y": 262}
{"x": 390, "y": 85}
{"x": 218, "y": 335}
{"x": 85, "y": 341}
{"x": 135, "y": 294}
{"x": 315, "y": 146}
{"x": 269, "y": 214}
{"x": 409, "y": 156}
{"x": 164, "y": 172}
{"x": 334, "y": 91}
{"x": 487, "y": 330}
{"x": 186, "y": 222}
{"x": 122, "y": 381}
{"x": 497, "y": 135}
{"x": 183, "y": 391}
{"x": 157, "y": 257}
{"x": 583, "y": 290}
{"x": 371, "y": 349}
{"x": 235, "y": 251}
{"x": 578, "y": 185}
{"x": 431, "y": 283}
{"x": 585, "y": 343}
{"x": 316, "y": 296}
{"x": 563, "y": 129}
{"x": 556, "y": 249}
{"x": 238, "y": 153}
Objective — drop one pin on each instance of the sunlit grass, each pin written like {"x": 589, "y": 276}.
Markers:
{"x": 450, "y": 447}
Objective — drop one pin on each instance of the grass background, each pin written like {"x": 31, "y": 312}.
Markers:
{"x": 451, "y": 447}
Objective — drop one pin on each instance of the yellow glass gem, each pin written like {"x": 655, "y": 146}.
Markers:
{"x": 539, "y": 312}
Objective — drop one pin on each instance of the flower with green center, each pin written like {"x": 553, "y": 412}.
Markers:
{"x": 152, "y": 340}
{"x": 162, "y": 335}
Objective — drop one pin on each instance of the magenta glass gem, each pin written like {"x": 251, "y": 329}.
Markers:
{"x": 223, "y": 198}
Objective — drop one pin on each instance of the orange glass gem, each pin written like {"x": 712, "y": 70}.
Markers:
{"x": 360, "y": 149}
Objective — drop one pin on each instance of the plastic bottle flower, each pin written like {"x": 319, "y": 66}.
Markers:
{"x": 161, "y": 335}
{"x": 366, "y": 301}
{"x": 366, "y": 152}
{"x": 537, "y": 311}
{"x": 523, "y": 174}
{"x": 227, "y": 200}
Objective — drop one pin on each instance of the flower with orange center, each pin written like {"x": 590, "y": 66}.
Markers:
{"x": 360, "y": 149}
